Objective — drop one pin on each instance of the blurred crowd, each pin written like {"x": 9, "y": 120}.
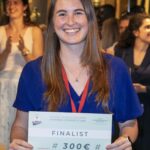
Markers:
{"x": 129, "y": 38}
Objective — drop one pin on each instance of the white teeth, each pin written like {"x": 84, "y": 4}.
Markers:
{"x": 71, "y": 30}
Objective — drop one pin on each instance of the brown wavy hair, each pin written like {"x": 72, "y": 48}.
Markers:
{"x": 91, "y": 57}
{"x": 127, "y": 38}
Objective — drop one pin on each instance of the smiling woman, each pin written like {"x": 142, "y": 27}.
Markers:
{"x": 70, "y": 24}
{"x": 73, "y": 46}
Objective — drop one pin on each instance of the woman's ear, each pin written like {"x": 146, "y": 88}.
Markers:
{"x": 136, "y": 33}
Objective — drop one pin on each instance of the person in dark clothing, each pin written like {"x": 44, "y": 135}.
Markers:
{"x": 134, "y": 49}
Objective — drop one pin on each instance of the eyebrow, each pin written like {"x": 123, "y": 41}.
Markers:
{"x": 148, "y": 25}
{"x": 63, "y": 10}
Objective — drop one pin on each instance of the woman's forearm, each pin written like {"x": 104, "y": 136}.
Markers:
{"x": 18, "y": 133}
{"x": 129, "y": 129}
{"x": 3, "y": 58}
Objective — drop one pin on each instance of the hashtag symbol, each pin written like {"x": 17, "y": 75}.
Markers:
{"x": 54, "y": 146}
{"x": 98, "y": 147}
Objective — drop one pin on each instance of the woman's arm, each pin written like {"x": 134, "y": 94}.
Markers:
{"x": 4, "y": 55}
{"x": 19, "y": 132}
{"x": 140, "y": 88}
{"x": 37, "y": 47}
{"x": 128, "y": 130}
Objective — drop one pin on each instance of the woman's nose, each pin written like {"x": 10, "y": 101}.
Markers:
{"x": 71, "y": 19}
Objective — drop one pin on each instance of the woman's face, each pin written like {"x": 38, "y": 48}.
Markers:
{"x": 15, "y": 8}
{"x": 143, "y": 33}
{"x": 123, "y": 24}
{"x": 70, "y": 21}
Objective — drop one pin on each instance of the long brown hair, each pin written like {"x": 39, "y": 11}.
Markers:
{"x": 110, "y": 33}
{"x": 91, "y": 56}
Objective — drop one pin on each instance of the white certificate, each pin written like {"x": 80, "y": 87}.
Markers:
{"x": 69, "y": 131}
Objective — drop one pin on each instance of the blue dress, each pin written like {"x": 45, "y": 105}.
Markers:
{"x": 123, "y": 101}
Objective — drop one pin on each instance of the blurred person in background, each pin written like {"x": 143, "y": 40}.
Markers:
{"x": 110, "y": 34}
{"x": 20, "y": 42}
{"x": 134, "y": 48}
{"x": 104, "y": 12}
{"x": 124, "y": 22}
{"x": 125, "y": 17}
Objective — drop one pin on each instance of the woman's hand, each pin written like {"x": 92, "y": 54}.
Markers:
{"x": 122, "y": 143}
{"x": 8, "y": 44}
{"x": 4, "y": 55}
{"x": 139, "y": 88}
{"x": 18, "y": 144}
{"x": 21, "y": 45}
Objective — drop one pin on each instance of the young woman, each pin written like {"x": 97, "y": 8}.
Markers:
{"x": 73, "y": 66}
{"x": 20, "y": 42}
{"x": 134, "y": 48}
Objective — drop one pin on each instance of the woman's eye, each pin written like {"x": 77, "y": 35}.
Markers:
{"x": 78, "y": 13}
{"x": 148, "y": 27}
{"x": 61, "y": 14}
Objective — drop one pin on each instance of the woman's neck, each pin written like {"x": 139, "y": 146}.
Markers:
{"x": 16, "y": 25}
{"x": 77, "y": 74}
{"x": 71, "y": 54}
{"x": 140, "y": 46}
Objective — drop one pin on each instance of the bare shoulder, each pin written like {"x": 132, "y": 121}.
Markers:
{"x": 3, "y": 27}
{"x": 36, "y": 30}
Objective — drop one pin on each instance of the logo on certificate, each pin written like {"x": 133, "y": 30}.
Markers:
{"x": 36, "y": 120}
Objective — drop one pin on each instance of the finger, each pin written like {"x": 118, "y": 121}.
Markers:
{"x": 8, "y": 44}
{"x": 20, "y": 145}
{"x": 23, "y": 143}
{"x": 125, "y": 146}
{"x": 129, "y": 148}
{"x": 115, "y": 144}
{"x": 119, "y": 144}
{"x": 9, "y": 40}
{"x": 21, "y": 39}
{"x": 23, "y": 148}
{"x": 21, "y": 42}
{"x": 20, "y": 46}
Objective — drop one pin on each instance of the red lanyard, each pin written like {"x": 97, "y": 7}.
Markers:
{"x": 84, "y": 95}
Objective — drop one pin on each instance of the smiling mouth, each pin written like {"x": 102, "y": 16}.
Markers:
{"x": 12, "y": 11}
{"x": 72, "y": 30}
